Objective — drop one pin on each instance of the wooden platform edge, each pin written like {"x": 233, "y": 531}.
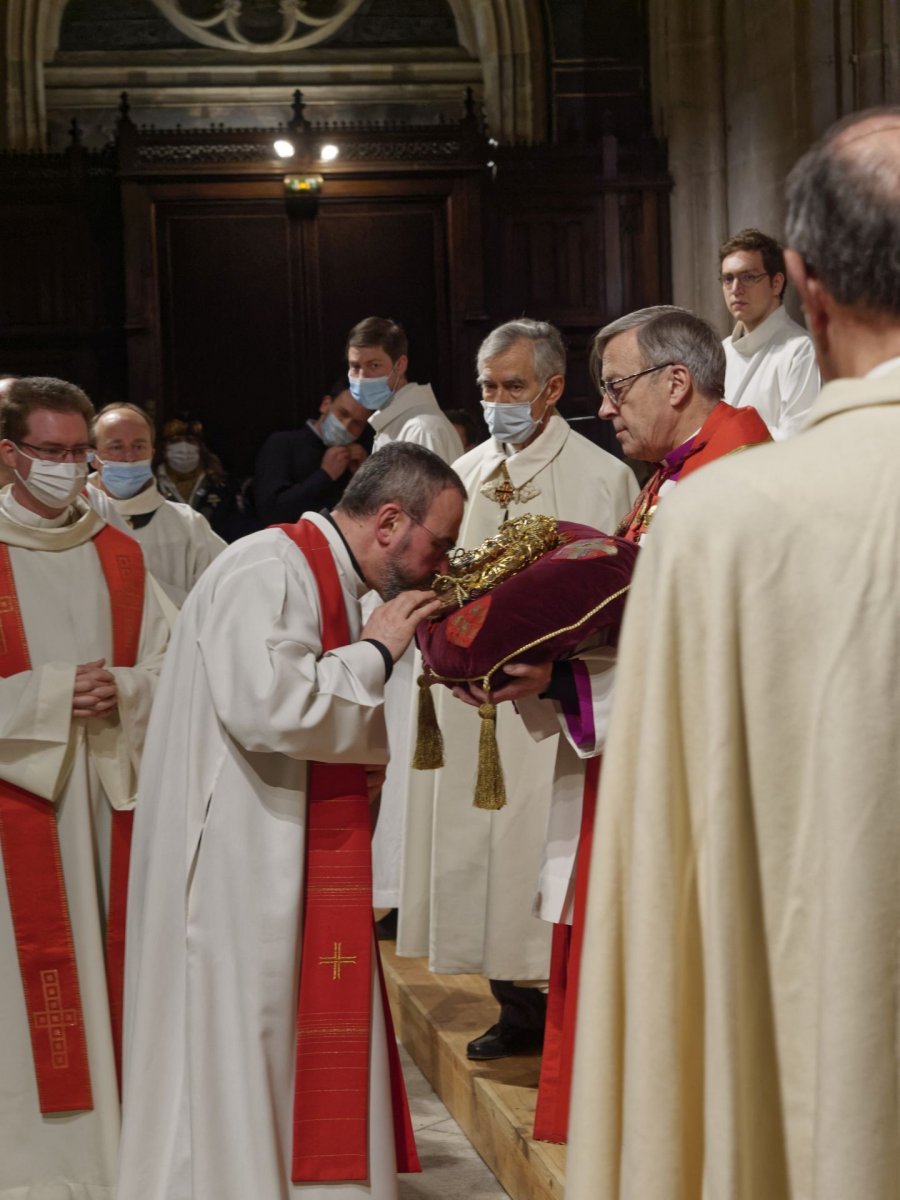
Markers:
{"x": 492, "y": 1103}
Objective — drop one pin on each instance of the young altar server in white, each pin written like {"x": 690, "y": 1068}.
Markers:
{"x": 252, "y": 789}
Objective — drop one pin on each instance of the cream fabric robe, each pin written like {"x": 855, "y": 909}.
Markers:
{"x": 214, "y": 916}
{"x": 86, "y": 767}
{"x": 178, "y": 542}
{"x": 413, "y": 415}
{"x": 469, "y": 875}
{"x": 739, "y": 1001}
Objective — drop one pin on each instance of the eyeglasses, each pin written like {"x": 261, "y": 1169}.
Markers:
{"x": 445, "y": 544}
{"x": 58, "y": 454}
{"x": 744, "y": 278}
{"x": 610, "y": 386}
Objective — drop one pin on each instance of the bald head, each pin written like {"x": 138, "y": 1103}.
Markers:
{"x": 843, "y": 216}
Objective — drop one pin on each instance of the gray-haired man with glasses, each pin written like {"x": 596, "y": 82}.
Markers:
{"x": 770, "y": 361}
{"x": 660, "y": 374}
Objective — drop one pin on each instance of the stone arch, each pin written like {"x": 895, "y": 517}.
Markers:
{"x": 506, "y": 36}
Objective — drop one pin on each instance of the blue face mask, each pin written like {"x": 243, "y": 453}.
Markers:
{"x": 372, "y": 394}
{"x": 511, "y": 423}
{"x": 126, "y": 479}
{"x": 333, "y": 432}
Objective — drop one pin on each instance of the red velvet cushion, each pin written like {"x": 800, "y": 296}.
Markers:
{"x": 573, "y": 594}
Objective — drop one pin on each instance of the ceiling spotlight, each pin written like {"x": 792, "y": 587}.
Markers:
{"x": 283, "y": 148}
{"x": 328, "y": 152}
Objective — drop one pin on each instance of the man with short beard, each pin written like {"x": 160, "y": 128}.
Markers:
{"x": 252, "y": 869}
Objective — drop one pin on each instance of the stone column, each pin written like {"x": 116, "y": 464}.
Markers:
{"x": 741, "y": 88}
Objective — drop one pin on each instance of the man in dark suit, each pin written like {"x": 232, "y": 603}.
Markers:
{"x": 308, "y": 468}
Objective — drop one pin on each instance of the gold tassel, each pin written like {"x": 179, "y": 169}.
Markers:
{"x": 429, "y": 753}
{"x": 490, "y": 791}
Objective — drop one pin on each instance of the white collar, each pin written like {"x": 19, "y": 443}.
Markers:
{"x": 748, "y": 341}
{"x": 884, "y": 368}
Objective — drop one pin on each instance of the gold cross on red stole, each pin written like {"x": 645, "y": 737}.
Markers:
{"x": 337, "y": 960}
{"x": 55, "y": 1018}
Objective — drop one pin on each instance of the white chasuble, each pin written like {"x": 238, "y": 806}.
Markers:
{"x": 469, "y": 875}
{"x": 246, "y": 699}
{"x": 86, "y": 766}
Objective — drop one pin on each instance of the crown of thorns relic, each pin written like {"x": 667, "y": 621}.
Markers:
{"x": 536, "y": 591}
{"x": 516, "y": 545}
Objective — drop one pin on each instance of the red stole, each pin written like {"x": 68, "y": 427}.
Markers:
{"x": 725, "y": 431}
{"x": 551, "y": 1118}
{"x": 33, "y": 864}
{"x": 334, "y": 1011}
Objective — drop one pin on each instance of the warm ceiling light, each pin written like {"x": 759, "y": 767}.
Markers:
{"x": 328, "y": 152}
{"x": 283, "y": 148}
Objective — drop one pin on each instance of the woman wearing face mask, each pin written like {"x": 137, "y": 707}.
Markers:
{"x": 189, "y": 472}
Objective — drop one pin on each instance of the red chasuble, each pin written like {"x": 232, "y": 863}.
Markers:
{"x": 334, "y": 1017}
{"x": 724, "y": 431}
{"x": 33, "y": 864}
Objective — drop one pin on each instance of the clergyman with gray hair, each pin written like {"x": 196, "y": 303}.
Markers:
{"x": 468, "y": 880}
{"x": 660, "y": 373}
{"x": 251, "y": 872}
{"x": 741, "y": 953}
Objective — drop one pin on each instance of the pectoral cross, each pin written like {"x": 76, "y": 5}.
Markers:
{"x": 337, "y": 960}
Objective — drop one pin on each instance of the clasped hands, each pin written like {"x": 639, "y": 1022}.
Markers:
{"x": 94, "y": 694}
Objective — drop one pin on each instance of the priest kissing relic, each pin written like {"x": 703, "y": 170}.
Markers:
{"x": 539, "y": 589}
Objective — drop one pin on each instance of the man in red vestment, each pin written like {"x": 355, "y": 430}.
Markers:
{"x": 83, "y": 627}
{"x": 259, "y": 1060}
{"x": 660, "y": 373}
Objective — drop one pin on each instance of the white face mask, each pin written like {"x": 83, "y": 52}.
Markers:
{"x": 512, "y": 423}
{"x": 183, "y": 457}
{"x": 54, "y": 484}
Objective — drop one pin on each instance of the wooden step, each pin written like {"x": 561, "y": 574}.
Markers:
{"x": 435, "y": 1017}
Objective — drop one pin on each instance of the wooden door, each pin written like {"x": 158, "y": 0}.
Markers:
{"x": 255, "y": 303}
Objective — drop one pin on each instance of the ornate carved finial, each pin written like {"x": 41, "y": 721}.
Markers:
{"x": 298, "y": 120}
{"x": 126, "y": 133}
{"x": 75, "y": 132}
{"x": 470, "y": 104}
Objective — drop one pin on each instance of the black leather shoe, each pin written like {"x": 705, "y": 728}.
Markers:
{"x": 498, "y": 1042}
{"x": 386, "y": 928}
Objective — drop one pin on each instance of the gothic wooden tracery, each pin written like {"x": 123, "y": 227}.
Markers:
{"x": 263, "y": 26}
